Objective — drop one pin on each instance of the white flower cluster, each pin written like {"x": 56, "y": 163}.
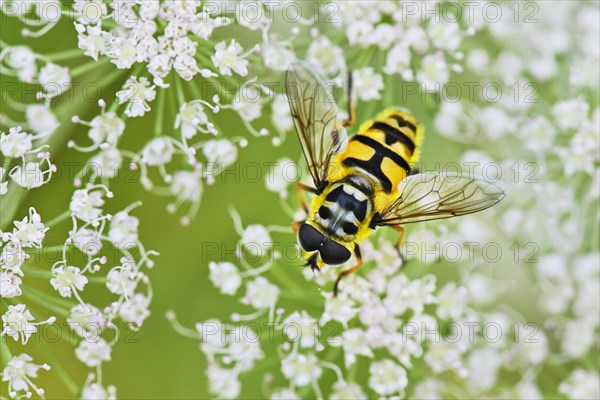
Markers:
{"x": 465, "y": 338}
{"x": 93, "y": 232}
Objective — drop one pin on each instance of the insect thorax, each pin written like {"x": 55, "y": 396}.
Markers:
{"x": 344, "y": 209}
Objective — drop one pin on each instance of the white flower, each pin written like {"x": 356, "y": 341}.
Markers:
{"x": 367, "y": 84}
{"x": 95, "y": 391}
{"x": 284, "y": 173}
{"x": 220, "y": 152}
{"x": 387, "y": 378}
{"x": 10, "y": 285}
{"x": 23, "y": 60}
{"x": 227, "y": 58}
{"x": 30, "y": 231}
{"x": 277, "y": 56}
{"x": 137, "y": 93}
{"x": 13, "y": 257}
{"x": 225, "y": 276}
{"x": 451, "y": 302}
{"x": 355, "y": 342}
{"x": 106, "y": 128}
{"x": 434, "y": 72}
{"x": 85, "y": 205}
{"x": 483, "y": 365}
{"x": 581, "y": 385}
{"x": 540, "y": 134}
{"x": 16, "y": 323}
{"x": 223, "y": 382}
{"x": 301, "y": 327}
{"x": 187, "y": 185}
{"x": 284, "y": 394}
{"x": 260, "y": 293}
{"x": 326, "y": 57}
{"x": 444, "y": 35}
{"x": 569, "y": 114}
{"x": 54, "y": 79}
{"x": 347, "y": 390}
{"x": 280, "y": 116}
{"x": 301, "y": 369}
{"x": 28, "y": 176}
{"x": 360, "y": 33}
{"x": 244, "y": 347}
{"x": 68, "y": 279}
{"x": 398, "y": 61}
{"x": 256, "y": 240}
{"x": 123, "y": 229}
{"x": 340, "y": 308}
{"x": 107, "y": 163}
{"x": 92, "y": 39}
{"x": 18, "y": 373}
{"x": 86, "y": 320}
{"x": 122, "y": 51}
{"x": 40, "y": 119}
{"x": 579, "y": 337}
{"x": 247, "y": 103}
{"x": 442, "y": 355}
{"x": 88, "y": 241}
{"x": 135, "y": 309}
{"x": 122, "y": 280}
{"x": 16, "y": 143}
{"x": 190, "y": 117}
{"x": 158, "y": 151}
{"x": 93, "y": 353}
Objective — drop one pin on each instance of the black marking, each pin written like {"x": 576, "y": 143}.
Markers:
{"x": 402, "y": 122}
{"x": 382, "y": 152}
{"x": 350, "y": 228}
{"x": 348, "y": 202}
{"x": 375, "y": 221}
{"x": 393, "y": 135}
{"x": 361, "y": 183}
{"x": 373, "y": 165}
{"x": 324, "y": 212}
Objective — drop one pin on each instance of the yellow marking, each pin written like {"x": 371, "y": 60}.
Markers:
{"x": 393, "y": 172}
{"x": 358, "y": 150}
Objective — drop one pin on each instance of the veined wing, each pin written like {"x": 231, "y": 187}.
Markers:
{"x": 314, "y": 112}
{"x": 431, "y": 195}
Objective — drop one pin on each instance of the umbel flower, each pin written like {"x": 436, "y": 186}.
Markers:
{"x": 448, "y": 323}
{"x": 410, "y": 332}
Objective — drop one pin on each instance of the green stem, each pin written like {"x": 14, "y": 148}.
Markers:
{"x": 179, "y": 90}
{"x": 56, "y": 365}
{"x": 160, "y": 112}
{"x": 50, "y": 302}
{"x": 5, "y": 354}
{"x": 83, "y": 68}
{"x": 59, "y": 218}
{"x": 65, "y": 55}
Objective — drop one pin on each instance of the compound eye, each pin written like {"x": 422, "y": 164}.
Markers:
{"x": 310, "y": 238}
{"x": 334, "y": 253}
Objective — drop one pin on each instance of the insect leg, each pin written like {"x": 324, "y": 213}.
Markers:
{"x": 296, "y": 226}
{"x": 299, "y": 188}
{"x": 359, "y": 263}
{"x": 351, "y": 114}
{"x": 400, "y": 228}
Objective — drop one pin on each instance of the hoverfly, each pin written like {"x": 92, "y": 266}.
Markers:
{"x": 366, "y": 182}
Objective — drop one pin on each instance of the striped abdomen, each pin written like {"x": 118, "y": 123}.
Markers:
{"x": 384, "y": 148}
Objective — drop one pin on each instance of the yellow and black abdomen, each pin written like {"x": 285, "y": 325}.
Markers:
{"x": 384, "y": 148}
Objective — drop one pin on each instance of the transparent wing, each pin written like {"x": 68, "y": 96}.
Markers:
{"x": 314, "y": 112}
{"x": 432, "y": 195}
